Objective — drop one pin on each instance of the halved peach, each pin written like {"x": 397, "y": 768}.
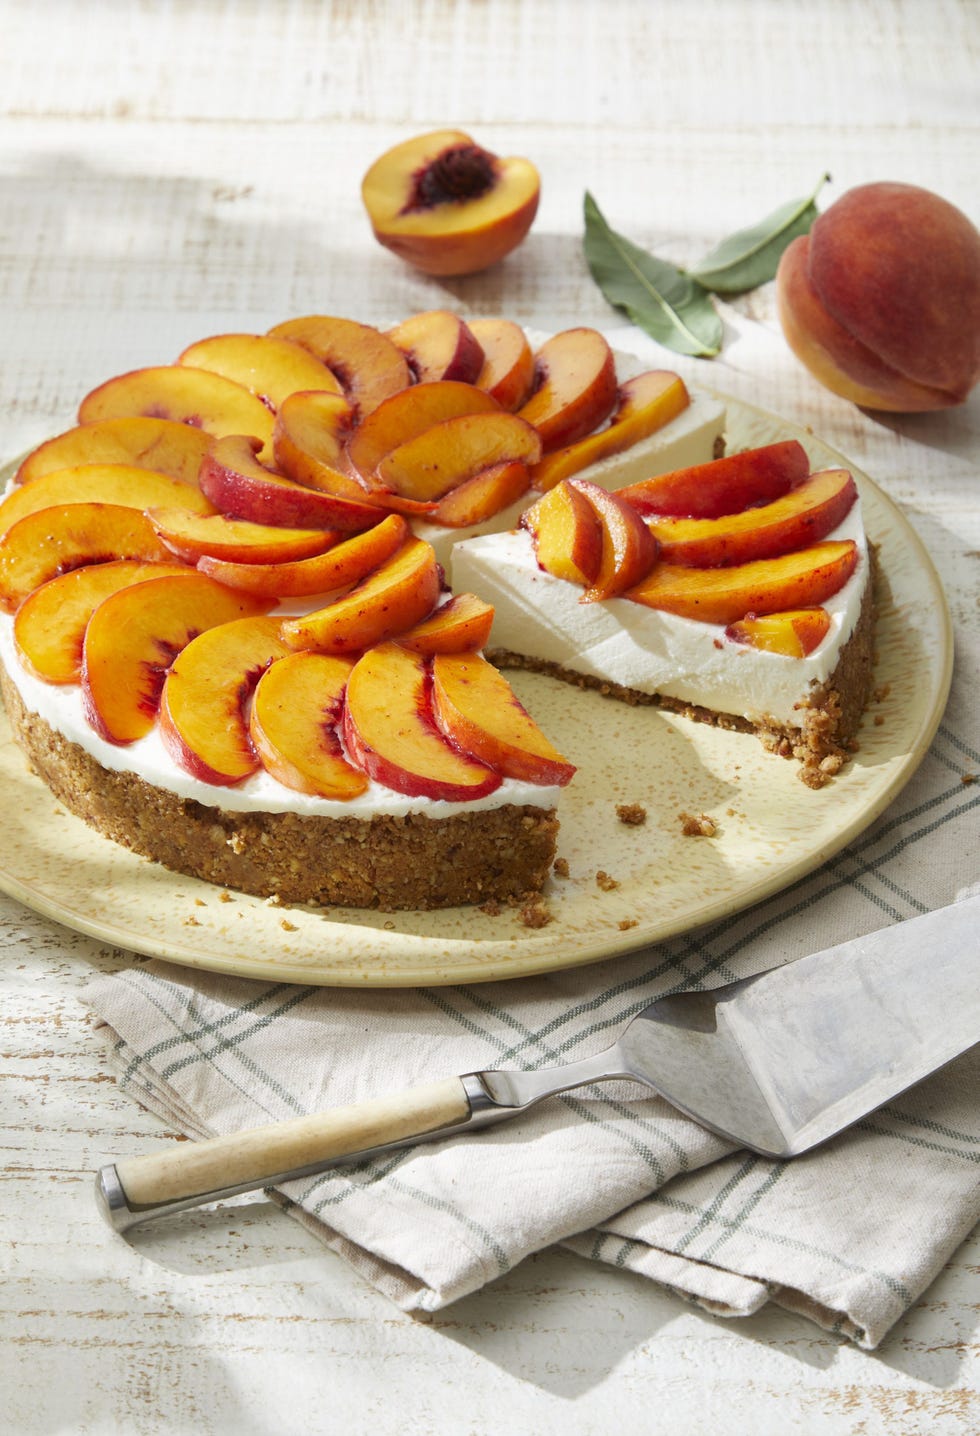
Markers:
{"x": 438, "y": 344}
{"x": 722, "y": 486}
{"x": 477, "y": 499}
{"x": 203, "y": 720}
{"x": 804, "y": 579}
{"x": 567, "y": 533}
{"x": 446, "y": 455}
{"x": 629, "y": 549}
{"x": 162, "y": 445}
{"x": 369, "y": 366}
{"x": 645, "y": 404}
{"x": 575, "y": 387}
{"x": 134, "y": 636}
{"x": 243, "y": 488}
{"x": 478, "y": 710}
{"x": 448, "y": 206}
{"x": 508, "y": 361}
{"x": 192, "y": 396}
{"x": 398, "y": 594}
{"x": 803, "y": 516}
{"x": 270, "y": 367}
{"x": 193, "y": 536}
{"x": 293, "y": 725}
{"x": 408, "y": 414}
{"x": 55, "y": 540}
{"x": 122, "y": 484}
{"x": 462, "y": 625}
{"x": 794, "y": 633}
{"x": 390, "y": 731}
{"x": 49, "y": 626}
{"x": 338, "y": 568}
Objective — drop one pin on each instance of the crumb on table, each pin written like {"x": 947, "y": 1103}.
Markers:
{"x": 604, "y": 881}
{"x": 697, "y": 825}
{"x": 535, "y": 914}
{"x": 627, "y": 922}
{"x": 634, "y": 815}
{"x": 560, "y": 867}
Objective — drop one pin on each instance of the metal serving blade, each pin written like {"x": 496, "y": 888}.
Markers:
{"x": 778, "y": 1063}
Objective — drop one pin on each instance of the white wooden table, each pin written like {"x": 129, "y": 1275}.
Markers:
{"x": 172, "y": 170}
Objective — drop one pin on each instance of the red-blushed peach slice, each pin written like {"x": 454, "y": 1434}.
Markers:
{"x": 398, "y": 594}
{"x": 629, "y": 549}
{"x": 438, "y": 345}
{"x": 390, "y": 731}
{"x": 462, "y": 625}
{"x": 243, "y": 488}
{"x": 408, "y": 414}
{"x": 479, "y": 498}
{"x": 121, "y": 484}
{"x": 270, "y": 367}
{"x": 804, "y": 579}
{"x": 198, "y": 397}
{"x": 132, "y": 639}
{"x": 439, "y": 459}
{"x": 162, "y": 445}
{"x": 508, "y": 361}
{"x": 448, "y": 206}
{"x": 722, "y": 486}
{"x": 575, "y": 387}
{"x": 567, "y": 534}
{"x": 646, "y": 404}
{"x": 369, "y": 366}
{"x": 338, "y": 568}
{"x": 296, "y": 709}
{"x": 805, "y": 515}
{"x": 478, "y": 710}
{"x": 203, "y": 720}
{"x": 192, "y": 536}
{"x": 52, "y": 541}
{"x": 794, "y": 634}
{"x": 49, "y": 626}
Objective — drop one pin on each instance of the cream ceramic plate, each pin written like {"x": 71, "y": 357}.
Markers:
{"x": 771, "y": 830}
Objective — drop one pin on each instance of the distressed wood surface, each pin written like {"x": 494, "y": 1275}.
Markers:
{"x": 170, "y": 170}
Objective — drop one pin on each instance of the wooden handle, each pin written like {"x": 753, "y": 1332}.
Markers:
{"x": 193, "y": 1169}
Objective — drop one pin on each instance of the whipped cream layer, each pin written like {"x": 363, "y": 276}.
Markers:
{"x": 621, "y": 642}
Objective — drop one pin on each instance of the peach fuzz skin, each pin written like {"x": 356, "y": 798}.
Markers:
{"x": 881, "y": 301}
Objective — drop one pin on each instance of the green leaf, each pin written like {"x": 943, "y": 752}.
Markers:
{"x": 751, "y": 256}
{"x": 660, "y": 299}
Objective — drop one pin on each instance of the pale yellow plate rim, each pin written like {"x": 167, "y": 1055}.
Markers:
{"x": 63, "y": 870}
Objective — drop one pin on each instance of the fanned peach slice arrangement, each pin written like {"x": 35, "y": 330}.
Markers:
{"x": 743, "y": 542}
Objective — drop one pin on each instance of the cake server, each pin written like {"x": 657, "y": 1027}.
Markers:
{"x": 777, "y": 1063}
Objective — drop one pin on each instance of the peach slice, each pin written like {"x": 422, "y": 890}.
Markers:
{"x": 193, "y": 536}
{"x": 122, "y": 484}
{"x": 645, "y": 404}
{"x": 398, "y": 594}
{"x": 197, "y": 397}
{"x": 805, "y": 515}
{"x": 460, "y": 626}
{"x": 479, "y": 498}
{"x": 202, "y": 706}
{"x": 794, "y": 633}
{"x": 390, "y": 731}
{"x": 478, "y": 710}
{"x": 162, "y": 445}
{"x": 804, "y": 579}
{"x": 296, "y": 709}
{"x": 629, "y": 549}
{"x": 338, "y": 568}
{"x": 448, "y": 206}
{"x": 133, "y": 637}
{"x": 508, "y": 361}
{"x": 438, "y": 344}
{"x": 567, "y": 534}
{"x": 270, "y": 367}
{"x": 448, "y": 454}
{"x": 243, "y": 488}
{"x": 575, "y": 387}
{"x": 369, "y": 366}
{"x": 722, "y": 486}
{"x": 49, "y": 626}
{"x": 52, "y": 541}
{"x": 309, "y": 441}
{"x": 410, "y": 413}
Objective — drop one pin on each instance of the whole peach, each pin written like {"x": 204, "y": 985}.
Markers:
{"x": 881, "y": 300}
